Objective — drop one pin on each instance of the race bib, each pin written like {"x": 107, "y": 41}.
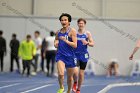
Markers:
{"x": 86, "y": 55}
{"x": 75, "y": 61}
{"x": 66, "y": 37}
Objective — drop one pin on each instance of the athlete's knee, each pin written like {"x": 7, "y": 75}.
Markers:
{"x": 75, "y": 75}
{"x": 60, "y": 73}
{"x": 61, "y": 76}
{"x": 70, "y": 78}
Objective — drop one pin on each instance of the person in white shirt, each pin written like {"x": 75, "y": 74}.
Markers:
{"x": 50, "y": 53}
{"x": 38, "y": 42}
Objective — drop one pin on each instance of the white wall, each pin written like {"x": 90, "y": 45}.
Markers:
{"x": 53, "y": 8}
{"x": 108, "y": 43}
{"x": 122, "y": 8}
{"x": 24, "y": 6}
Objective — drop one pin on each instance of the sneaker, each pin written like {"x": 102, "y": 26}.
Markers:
{"x": 78, "y": 91}
{"x": 33, "y": 73}
{"x": 60, "y": 90}
{"x": 74, "y": 87}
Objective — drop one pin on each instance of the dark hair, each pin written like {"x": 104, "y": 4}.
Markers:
{"x": 52, "y": 33}
{"x": 37, "y": 32}
{"x": 81, "y": 19}
{"x": 28, "y": 36}
{"x": 14, "y": 35}
{"x": 1, "y": 32}
{"x": 67, "y": 15}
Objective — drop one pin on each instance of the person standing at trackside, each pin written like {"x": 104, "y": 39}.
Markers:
{"x": 65, "y": 42}
{"x": 2, "y": 49}
{"x": 27, "y": 50}
{"x": 14, "y": 45}
{"x": 43, "y": 48}
{"x": 38, "y": 42}
{"x": 50, "y": 53}
{"x": 135, "y": 50}
{"x": 84, "y": 39}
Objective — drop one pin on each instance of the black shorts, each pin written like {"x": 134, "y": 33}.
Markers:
{"x": 81, "y": 64}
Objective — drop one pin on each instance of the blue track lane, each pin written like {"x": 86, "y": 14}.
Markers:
{"x": 15, "y": 83}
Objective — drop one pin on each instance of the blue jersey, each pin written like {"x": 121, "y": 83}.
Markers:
{"x": 65, "y": 52}
{"x": 63, "y": 47}
{"x": 81, "y": 50}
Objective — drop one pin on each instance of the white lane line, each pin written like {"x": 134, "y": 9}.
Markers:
{"x": 11, "y": 81}
{"x": 10, "y": 85}
{"x": 107, "y": 88}
{"x": 34, "y": 89}
{"x": 93, "y": 85}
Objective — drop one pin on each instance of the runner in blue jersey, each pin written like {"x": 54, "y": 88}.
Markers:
{"x": 84, "y": 39}
{"x": 65, "y": 42}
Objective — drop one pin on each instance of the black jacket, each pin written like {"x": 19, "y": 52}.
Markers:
{"x": 14, "y": 45}
{"x": 2, "y": 45}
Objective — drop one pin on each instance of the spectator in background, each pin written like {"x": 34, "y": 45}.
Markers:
{"x": 14, "y": 45}
{"x": 2, "y": 49}
{"x": 27, "y": 50}
{"x": 38, "y": 42}
{"x": 113, "y": 68}
{"x": 135, "y": 50}
{"x": 43, "y": 48}
{"x": 50, "y": 53}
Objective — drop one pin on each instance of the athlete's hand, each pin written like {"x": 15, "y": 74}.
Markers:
{"x": 56, "y": 43}
{"x": 131, "y": 57}
{"x": 63, "y": 38}
{"x": 84, "y": 42}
